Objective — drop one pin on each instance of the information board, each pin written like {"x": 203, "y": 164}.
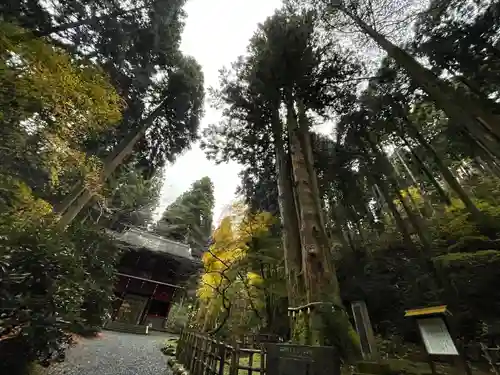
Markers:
{"x": 436, "y": 337}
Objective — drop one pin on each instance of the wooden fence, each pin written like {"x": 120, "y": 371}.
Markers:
{"x": 203, "y": 355}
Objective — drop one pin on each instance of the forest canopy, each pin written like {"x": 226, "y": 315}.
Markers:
{"x": 367, "y": 132}
{"x": 397, "y": 204}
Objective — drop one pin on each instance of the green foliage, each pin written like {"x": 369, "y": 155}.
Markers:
{"x": 477, "y": 259}
{"x": 472, "y": 278}
{"x": 46, "y": 276}
{"x": 50, "y": 105}
{"x": 99, "y": 257}
{"x": 189, "y": 217}
{"x": 51, "y": 281}
{"x": 392, "y": 279}
{"x": 178, "y": 317}
{"x": 137, "y": 44}
{"x": 127, "y": 199}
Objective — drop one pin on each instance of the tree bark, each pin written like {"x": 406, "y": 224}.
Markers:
{"x": 288, "y": 213}
{"x": 320, "y": 279}
{"x": 305, "y": 141}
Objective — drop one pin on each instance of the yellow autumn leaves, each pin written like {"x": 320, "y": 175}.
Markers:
{"x": 57, "y": 101}
{"x": 230, "y": 245}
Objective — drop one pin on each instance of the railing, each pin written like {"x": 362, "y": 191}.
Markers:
{"x": 203, "y": 355}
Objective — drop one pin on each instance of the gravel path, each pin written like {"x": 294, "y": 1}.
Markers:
{"x": 116, "y": 354}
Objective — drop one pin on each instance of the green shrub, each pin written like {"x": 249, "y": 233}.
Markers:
{"x": 46, "y": 276}
{"x": 178, "y": 317}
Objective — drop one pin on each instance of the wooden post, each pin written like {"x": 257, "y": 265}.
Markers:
{"x": 365, "y": 331}
{"x": 235, "y": 360}
{"x": 192, "y": 361}
{"x": 200, "y": 357}
{"x": 250, "y": 363}
{"x": 460, "y": 361}
{"x": 262, "y": 360}
{"x": 222, "y": 358}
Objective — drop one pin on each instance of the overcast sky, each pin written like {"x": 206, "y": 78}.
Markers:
{"x": 216, "y": 33}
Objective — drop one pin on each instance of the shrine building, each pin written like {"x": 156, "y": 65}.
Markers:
{"x": 150, "y": 276}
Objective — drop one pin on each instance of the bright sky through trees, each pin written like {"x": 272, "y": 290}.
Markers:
{"x": 216, "y": 33}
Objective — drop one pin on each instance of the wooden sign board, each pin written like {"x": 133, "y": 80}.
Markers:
{"x": 285, "y": 359}
{"x": 436, "y": 337}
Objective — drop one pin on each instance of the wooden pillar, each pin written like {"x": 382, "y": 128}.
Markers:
{"x": 365, "y": 331}
{"x": 122, "y": 298}
{"x": 147, "y": 306}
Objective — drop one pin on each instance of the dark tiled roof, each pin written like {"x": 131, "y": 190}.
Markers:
{"x": 143, "y": 239}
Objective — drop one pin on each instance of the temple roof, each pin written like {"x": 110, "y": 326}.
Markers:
{"x": 141, "y": 239}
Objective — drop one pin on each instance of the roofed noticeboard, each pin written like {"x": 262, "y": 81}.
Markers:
{"x": 284, "y": 359}
{"x": 436, "y": 337}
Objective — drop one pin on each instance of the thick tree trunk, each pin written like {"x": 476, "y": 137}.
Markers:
{"x": 462, "y": 109}
{"x": 288, "y": 213}
{"x": 305, "y": 141}
{"x": 322, "y": 326}
{"x": 80, "y": 196}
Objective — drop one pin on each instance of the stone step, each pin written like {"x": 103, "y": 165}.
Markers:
{"x": 126, "y": 328}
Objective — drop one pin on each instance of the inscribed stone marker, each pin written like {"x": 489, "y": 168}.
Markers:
{"x": 285, "y": 359}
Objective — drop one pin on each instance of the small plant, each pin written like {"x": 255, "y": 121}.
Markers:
{"x": 170, "y": 347}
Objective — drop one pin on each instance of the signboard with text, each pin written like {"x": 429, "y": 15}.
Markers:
{"x": 436, "y": 337}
